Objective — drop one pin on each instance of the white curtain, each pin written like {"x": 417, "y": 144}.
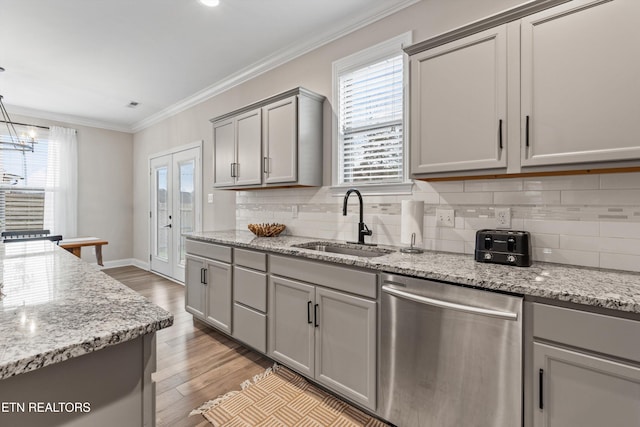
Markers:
{"x": 62, "y": 179}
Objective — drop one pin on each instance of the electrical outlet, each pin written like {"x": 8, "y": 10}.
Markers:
{"x": 503, "y": 217}
{"x": 294, "y": 211}
{"x": 445, "y": 217}
{"x": 210, "y": 198}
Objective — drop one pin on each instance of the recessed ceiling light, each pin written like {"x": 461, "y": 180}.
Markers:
{"x": 210, "y": 3}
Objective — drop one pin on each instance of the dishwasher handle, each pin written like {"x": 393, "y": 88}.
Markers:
{"x": 506, "y": 315}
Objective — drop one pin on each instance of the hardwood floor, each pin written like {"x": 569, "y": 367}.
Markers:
{"x": 195, "y": 363}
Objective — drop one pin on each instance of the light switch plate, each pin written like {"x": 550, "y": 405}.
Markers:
{"x": 445, "y": 217}
{"x": 503, "y": 217}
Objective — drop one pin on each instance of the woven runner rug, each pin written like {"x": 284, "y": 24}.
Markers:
{"x": 281, "y": 398}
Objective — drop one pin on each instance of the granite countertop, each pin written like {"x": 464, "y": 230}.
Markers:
{"x": 617, "y": 290}
{"x": 54, "y": 307}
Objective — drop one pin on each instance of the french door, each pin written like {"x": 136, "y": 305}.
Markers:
{"x": 176, "y": 183}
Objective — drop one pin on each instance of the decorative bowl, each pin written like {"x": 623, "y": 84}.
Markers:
{"x": 266, "y": 230}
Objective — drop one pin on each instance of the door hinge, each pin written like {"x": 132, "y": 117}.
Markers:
{"x": 149, "y": 214}
{"x": 149, "y": 257}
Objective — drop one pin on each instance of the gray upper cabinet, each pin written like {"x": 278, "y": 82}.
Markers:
{"x": 248, "y": 138}
{"x": 458, "y": 104}
{"x": 280, "y": 146}
{"x": 532, "y": 89}
{"x": 272, "y": 143}
{"x": 224, "y": 152}
{"x": 237, "y": 148}
{"x": 580, "y": 91}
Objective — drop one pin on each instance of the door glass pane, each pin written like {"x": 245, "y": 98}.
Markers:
{"x": 187, "y": 202}
{"x": 162, "y": 213}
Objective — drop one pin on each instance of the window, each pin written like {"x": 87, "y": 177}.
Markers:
{"x": 24, "y": 178}
{"x": 33, "y": 195}
{"x": 369, "y": 100}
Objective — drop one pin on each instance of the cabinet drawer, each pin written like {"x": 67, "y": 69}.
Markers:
{"x": 596, "y": 332}
{"x": 209, "y": 250}
{"x": 251, "y": 259}
{"x": 250, "y": 288}
{"x": 250, "y": 327}
{"x": 341, "y": 278}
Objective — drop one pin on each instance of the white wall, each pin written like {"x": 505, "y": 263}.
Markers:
{"x": 105, "y": 194}
{"x": 584, "y": 220}
{"x": 312, "y": 71}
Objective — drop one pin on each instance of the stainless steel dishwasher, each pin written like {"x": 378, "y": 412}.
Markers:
{"x": 450, "y": 356}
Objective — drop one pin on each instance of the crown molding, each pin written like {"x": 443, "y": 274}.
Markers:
{"x": 266, "y": 64}
{"x": 67, "y": 118}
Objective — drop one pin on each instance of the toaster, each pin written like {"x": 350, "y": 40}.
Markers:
{"x": 503, "y": 247}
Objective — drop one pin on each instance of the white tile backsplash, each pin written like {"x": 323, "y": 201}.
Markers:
{"x": 527, "y": 198}
{"x": 610, "y": 197}
{"x": 617, "y": 181}
{"x": 587, "y": 220}
{"x": 620, "y": 262}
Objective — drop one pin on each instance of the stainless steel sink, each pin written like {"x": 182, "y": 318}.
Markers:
{"x": 345, "y": 249}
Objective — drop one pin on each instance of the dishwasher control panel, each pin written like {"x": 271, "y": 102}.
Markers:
{"x": 503, "y": 247}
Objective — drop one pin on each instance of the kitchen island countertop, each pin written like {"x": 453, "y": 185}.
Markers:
{"x": 616, "y": 290}
{"x": 55, "y": 307}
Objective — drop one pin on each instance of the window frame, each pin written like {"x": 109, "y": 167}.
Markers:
{"x": 379, "y": 52}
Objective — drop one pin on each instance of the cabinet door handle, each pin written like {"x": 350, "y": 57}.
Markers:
{"x": 500, "y": 133}
{"x": 265, "y": 164}
{"x": 541, "y": 389}
{"x": 204, "y": 276}
{"x": 526, "y": 132}
{"x": 232, "y": 176}
{"x": 315, "y": 316}
{"x": 309, "y": 312}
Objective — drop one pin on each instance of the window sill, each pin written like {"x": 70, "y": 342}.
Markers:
{"x": 394, "y": 189}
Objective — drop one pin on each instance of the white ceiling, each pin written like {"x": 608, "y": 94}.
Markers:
{"x": 83, "y": 61}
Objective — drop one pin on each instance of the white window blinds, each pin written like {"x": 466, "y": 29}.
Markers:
{"x": 371, "y": 122}
{"x": 24, "y": 183}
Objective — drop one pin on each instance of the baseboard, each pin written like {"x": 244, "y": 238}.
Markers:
{"x": 140, "y": 264}
{"x": 123, "y": 263}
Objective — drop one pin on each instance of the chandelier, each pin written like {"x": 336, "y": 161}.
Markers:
{"x": 12, "y": 141}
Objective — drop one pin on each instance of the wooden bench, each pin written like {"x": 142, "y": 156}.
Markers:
{"x": 75, "y": 246}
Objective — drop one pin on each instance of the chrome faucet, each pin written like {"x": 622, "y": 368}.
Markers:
{"x": 363, "y": 230}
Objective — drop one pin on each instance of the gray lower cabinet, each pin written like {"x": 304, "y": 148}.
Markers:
{"x": 584, "y": 369}
{"x": 208, "y": 291}
{"x": 218, "y": 282}
{"x": 346, "y": 337}
{"x": 250, "y": 298}
{"x": 195, "y": 288}
{"x": 291, "y": 331}
{"x": 584, "y": 390}
{"x": 325, "y": 334}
